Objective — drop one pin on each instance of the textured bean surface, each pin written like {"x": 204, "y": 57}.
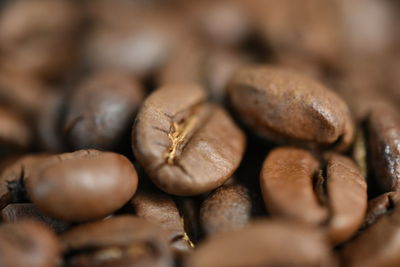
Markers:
{"x": 384, "y": 130}
{"x": 186, "y": 146}
{"x": 281, "y": 104}
{"x": 287, "y": 185}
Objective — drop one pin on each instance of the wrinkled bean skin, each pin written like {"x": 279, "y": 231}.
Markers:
{"x": 118, "y": 241}
{"x": 159, "y": 208}
{"x": 283, "y": 105}
{"x": 226, "y": 209}
{"x": 287, "y": 185}
{"x": 384, "y": 130}
{"x": 261, "y": 244}
{"x": 186, "y": 146}
{"x": 102, "y": 109}
{"x": 28, "y": 243}
{"x": 82, "y": 185}
{"x": 378, "y": 245}
{"x": 347, "y": 193}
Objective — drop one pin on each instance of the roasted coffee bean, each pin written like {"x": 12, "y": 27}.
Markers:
{"x": 287, "y": 185}
{"x": 186, "y": 145}
{"x": 269, "y": 243}
{"x": 14, "y": 131}
{"x": 379, "y": 244}
{"x": 294, "y": 184}
{"x": 118, "y": 241}
{"x": 22, "y": 211}
{"x": 82, "y": 185}
{"x": 380, "y": 206}
{"x": 28, "y": 243}
{"x": 347, "y": 193}
{"x": 384, "y": 139}
{"x": 159, "y": 208}
{"x": 226, "y": 209}
{"x": 285, "y": 106}
{"x": 102, "y": 109}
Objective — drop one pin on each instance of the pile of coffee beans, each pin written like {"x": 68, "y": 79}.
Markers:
{"x": 183, "y": 133}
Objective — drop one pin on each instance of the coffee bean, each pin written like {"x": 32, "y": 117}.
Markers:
{"x": 22, "y": 211}
{"x": 347, "y": 194}
{"x": 381, "y": 205}
{"x": 379, "y": 243}
{"x": 102, "y": 109}
{"x": 295, "y": 186}
{"x": 287, "y": 185}
{"x": 268, "y": 243}
{"x": 285, "y": 106}
{"x": 28, "y": 243}
{"x": 82, "y": 185}
{"x": 118, "y": 241}
{"x": 226, "y": 209}
{"x": 159, "y": 208}
{"x": 186, "y": 145}
{"x": 384, "y": 138}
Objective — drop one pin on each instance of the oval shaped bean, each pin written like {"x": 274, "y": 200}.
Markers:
{"x": 287, "y": 185}
{"x": 186, "y": 146}
{"x": 102, "y": 109}
{"x": 285, "y": 106}
{"x": 82, "y": 185}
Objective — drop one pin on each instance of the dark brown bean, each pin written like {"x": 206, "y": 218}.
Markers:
{"x": 297, "y": 186}
{"x": 82, "y": 185}
{"x": 118, "y": 241}
{"x": 186, "y": 146}
{"x": 285, "y": 106}
{"x": 102, "y": 110}
{"x": 384, "y": 134}
{"x": 28, "y": 243}
{"x": 269, "y": 243}
{"x": 347, "y": 194}
{"x": 226, "y": 209}
{"x": 287, "y": 185}
{"x": 159, "y": 208}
